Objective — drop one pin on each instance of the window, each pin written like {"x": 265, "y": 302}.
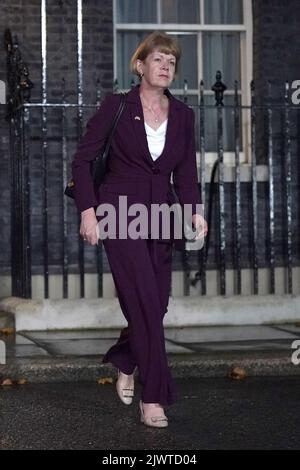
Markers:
{"x": 214, "y": 35}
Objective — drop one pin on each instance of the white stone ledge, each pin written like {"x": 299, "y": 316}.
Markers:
{"x": 182, "y": 311}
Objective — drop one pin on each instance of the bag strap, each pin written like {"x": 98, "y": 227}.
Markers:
{"x": 114, "y": 125}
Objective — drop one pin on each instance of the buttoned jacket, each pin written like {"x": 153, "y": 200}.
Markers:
{"x": 131, "y": 169}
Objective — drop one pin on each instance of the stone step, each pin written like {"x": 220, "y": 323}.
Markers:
{"x": 65, "y": 314}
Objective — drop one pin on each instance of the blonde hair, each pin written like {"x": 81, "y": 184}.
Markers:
{"x": 157, "y": 40}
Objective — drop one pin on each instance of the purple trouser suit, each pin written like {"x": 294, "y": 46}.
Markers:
{"x": 141, "y": 268}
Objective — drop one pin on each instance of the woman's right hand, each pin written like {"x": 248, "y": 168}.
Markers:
{"x": 88, "y": 226}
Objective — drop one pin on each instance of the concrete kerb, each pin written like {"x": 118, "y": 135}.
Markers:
{"x": 90, "y": 369}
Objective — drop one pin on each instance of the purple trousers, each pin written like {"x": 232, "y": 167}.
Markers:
{"x": 143, "y": 289}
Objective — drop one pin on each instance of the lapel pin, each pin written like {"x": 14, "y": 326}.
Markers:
{"x": 137, "y": 117}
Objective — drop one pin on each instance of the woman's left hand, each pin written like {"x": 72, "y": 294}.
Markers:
{"x": 200, "y": 224}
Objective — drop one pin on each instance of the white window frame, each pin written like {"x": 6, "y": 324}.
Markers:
{"x": 246, "y": 33}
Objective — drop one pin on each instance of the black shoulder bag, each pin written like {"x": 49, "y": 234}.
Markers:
{"x": 99, "y": 164}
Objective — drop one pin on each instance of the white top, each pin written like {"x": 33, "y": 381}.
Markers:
{"x": 156, "y": 139}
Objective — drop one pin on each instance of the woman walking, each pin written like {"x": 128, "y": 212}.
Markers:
{"x": 154, "y": 138}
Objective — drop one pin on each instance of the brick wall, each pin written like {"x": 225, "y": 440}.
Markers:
{"x": 276, "y": 57}
{"x": 23, "y": 17}
{"x": 276, "y": 45}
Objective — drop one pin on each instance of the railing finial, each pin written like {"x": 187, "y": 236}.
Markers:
{"x": 219, "y": 87}
{"x": 19, "y": 83}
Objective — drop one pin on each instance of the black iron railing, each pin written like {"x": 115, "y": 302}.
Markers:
{"x": 22, "y": 115}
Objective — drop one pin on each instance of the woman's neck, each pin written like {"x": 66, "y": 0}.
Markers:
{"x": 153, "y": 96}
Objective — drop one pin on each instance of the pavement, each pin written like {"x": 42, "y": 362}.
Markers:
{"x": 64, "y": 405}
{"x": 194, "y": 352}
{"x": 212, "y": 413}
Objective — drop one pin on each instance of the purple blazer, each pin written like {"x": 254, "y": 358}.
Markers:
{"x": 131, "y": 169}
